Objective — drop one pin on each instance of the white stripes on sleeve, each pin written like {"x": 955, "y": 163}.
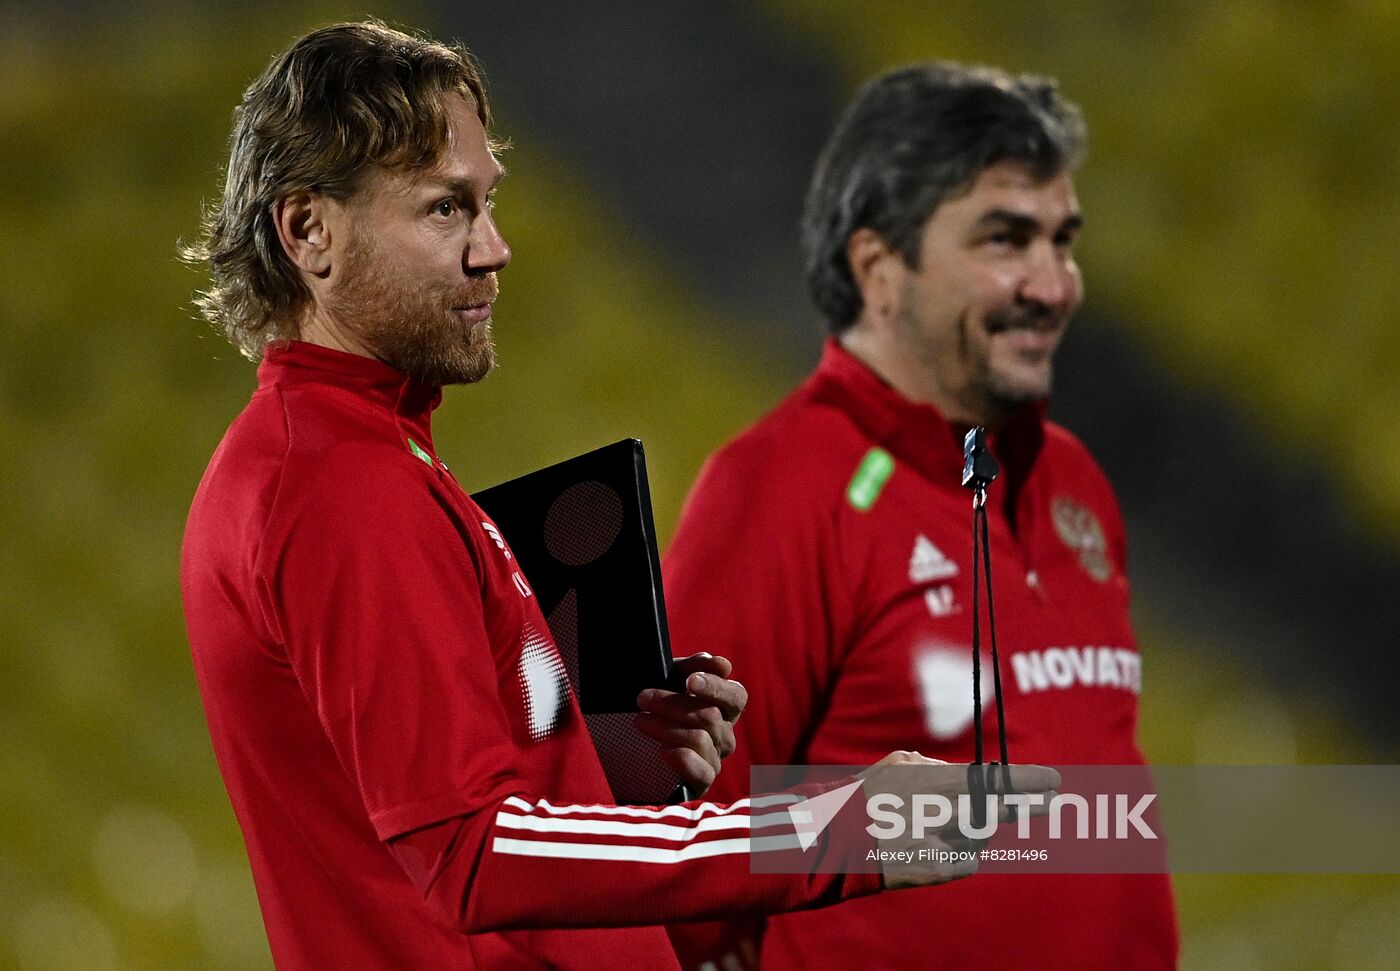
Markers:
{"x": 667, "y": 834}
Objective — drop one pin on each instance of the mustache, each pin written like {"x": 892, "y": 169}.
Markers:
{"x": 1023, "y": 317}
{"x": 484, "y": 289}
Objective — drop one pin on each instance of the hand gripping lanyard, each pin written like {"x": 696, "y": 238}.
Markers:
{"x": 979, "y": 469}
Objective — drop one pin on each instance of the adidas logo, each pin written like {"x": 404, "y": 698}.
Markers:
{"x": 928, "y": 563}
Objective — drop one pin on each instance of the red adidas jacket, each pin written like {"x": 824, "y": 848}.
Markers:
{"x": 827, "y": 552}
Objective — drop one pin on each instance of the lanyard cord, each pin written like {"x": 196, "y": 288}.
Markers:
{"x": 992, "y": 633}
{"x": 982, "y": 556}
{"x": 979, "y": 512}
{"x": 979, "y": 470}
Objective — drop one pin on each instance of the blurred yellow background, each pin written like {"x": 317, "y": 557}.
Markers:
{"x": 1241, "y": 207}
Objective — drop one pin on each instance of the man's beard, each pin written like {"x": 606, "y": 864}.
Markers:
{"x": 410, "y": 327}
{"x": 1007, "y": 393}
{"x": 961, "y": 363}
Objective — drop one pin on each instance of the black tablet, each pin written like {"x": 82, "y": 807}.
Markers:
{"x": 583, "y": 533}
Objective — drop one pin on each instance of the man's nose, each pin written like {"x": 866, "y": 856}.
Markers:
{"x": 1051, "y": 280}
{"x": 487, "y": 249}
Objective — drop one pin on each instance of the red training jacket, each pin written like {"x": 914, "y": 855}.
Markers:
{"x": 827, "y": 552}
{"x": 397, "y": 733}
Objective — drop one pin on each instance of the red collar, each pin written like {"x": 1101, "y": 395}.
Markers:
{"x": 301, "y": 363}
{"x": 917, "y": 434}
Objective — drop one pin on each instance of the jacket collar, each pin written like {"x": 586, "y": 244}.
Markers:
{"x": 917, "y": 434}
{"x": 411, "y": 402}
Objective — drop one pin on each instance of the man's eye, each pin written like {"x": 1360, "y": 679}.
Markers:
{"x": 444, "y": 208}
{"x": 1009, "y": 239}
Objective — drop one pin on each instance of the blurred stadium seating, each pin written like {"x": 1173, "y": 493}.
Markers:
{"x": 1241, "y": 264}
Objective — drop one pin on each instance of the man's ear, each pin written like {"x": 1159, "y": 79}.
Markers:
{"x": 874, "y": 267}
{"x": 304, "y": 231}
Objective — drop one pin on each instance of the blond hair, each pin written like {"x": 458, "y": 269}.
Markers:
{"x": 339, "y": 102}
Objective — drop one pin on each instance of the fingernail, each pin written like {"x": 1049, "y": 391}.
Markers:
{"x": 697, "y": 682}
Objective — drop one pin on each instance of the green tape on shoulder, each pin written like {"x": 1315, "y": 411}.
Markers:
{"x": 872, "y": 474}
{"x": 418, "y": 451}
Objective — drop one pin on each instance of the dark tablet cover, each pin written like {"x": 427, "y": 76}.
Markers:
{"x": 583, "y": 533}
